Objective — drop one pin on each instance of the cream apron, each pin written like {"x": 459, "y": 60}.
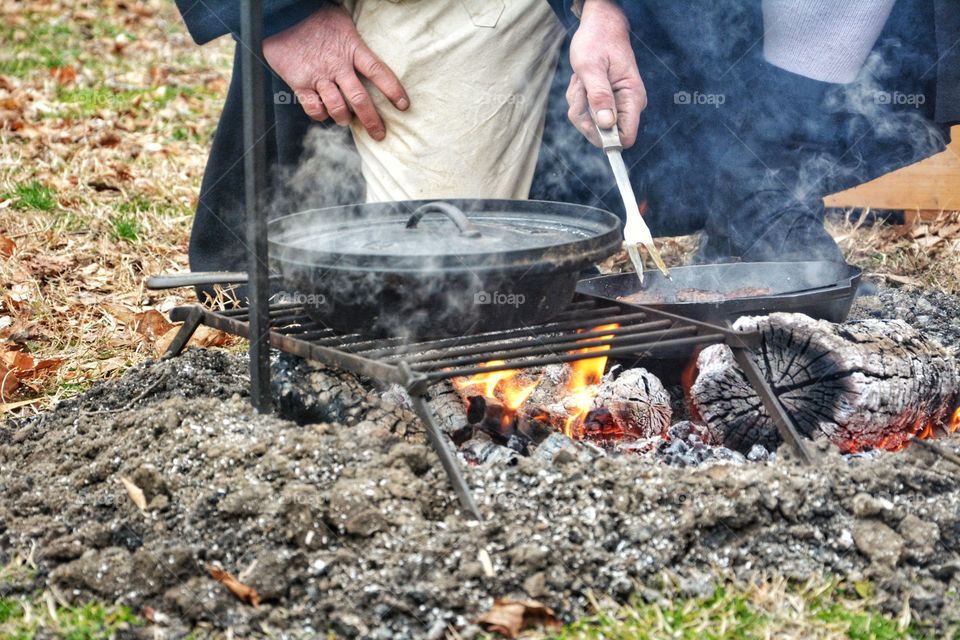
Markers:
{"x": 478, "y": 73}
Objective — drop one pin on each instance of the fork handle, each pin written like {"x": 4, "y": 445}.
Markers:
{"x": 609, "y": 138}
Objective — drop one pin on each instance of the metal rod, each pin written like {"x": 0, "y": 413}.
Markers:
{"x": 242, "y": 312}
{"x": 643, "y": 339}
{"x": 587, "y": 338}
{"x": 782, "y": 420}
{"x": 437, "y": 441}
{"x": 470, "y": 341}
{"x": 445, "y": 374}
{"x": 255, "y": 172}
{"x": 190, "y": 324}
{"x": 311, "y": 351}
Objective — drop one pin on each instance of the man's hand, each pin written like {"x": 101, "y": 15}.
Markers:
{"x": 605, "y": 75}
{"x": 319, "y": 59}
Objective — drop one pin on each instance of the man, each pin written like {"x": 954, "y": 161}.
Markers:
{"x": 448, "y": 98}
{"x": 479, "y": 73}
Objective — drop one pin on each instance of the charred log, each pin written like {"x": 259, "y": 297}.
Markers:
{"x": 448, "y": 407}
{"x": 633, "y": 405}
{"x": 862, "y": 385}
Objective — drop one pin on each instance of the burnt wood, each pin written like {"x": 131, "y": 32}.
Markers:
{"x": 862, "y": 385}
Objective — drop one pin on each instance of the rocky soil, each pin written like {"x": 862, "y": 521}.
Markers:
{"x": 352, "y": 527}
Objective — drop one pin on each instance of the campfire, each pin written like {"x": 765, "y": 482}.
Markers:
{"x": 502, "y": 395}
{"x": 870, "y": 394}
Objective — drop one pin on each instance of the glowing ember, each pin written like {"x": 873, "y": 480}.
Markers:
{"x": 500, "y": 385}
{"x": 511, "y": 390}
{"x": 582, "y": 385}
{"x": 920, "y": 429}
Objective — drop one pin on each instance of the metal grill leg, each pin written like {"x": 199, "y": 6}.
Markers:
{"x": 186, "y": 332}
{"x": 439, "y": 444}
{"x": 786, "y": 428}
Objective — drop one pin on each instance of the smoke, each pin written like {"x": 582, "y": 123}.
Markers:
{"x": 327, "y": 175}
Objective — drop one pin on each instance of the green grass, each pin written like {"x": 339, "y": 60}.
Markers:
{"x": 125, "y": 226}
{"x": 91, "y": 621}
{"x": 32, "y": 195}
{"x": 825, "y": 610}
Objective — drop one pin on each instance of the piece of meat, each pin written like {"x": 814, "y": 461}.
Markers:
{"x": 643, "y": 297}
{"x": 748, "y": 292}
{"x": 694, "y": 295}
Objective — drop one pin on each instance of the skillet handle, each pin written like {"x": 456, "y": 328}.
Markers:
{"x": 458, "y": 217}
{"x": 195, "y": 278}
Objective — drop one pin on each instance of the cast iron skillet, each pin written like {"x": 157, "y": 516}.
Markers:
{"x": 822, "y": 290}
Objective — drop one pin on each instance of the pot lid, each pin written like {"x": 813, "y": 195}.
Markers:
{"x": 450, "y": 234}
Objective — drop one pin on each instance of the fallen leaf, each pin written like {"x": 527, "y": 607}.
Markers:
{"x": 108, "y": 139}
{"x": 120, "y": 313}
{"x": 203, "y": 338}
{"x": 64, "y": 75}
{"x": 9, "y": 382}
{"x": 151, "y": 324}
{"x": 7, "y": 246}
{"x": 237, "y": 588}
{"x": 135, "y": 493}
{"x": 23, "y": 365}
{"x": 509, "y": 617}
{"x": 47, "y": 266}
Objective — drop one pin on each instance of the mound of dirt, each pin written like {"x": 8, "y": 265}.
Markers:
{"x": 355, "y": 529}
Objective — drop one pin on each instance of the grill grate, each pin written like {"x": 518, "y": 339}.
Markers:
{"x": 641, "y": 332}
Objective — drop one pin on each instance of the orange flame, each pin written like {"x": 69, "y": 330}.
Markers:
{"x": 582, "y": 385}
{"x": 580, "y": 388}
{"x": 922, "y": 430}
{"x": 501, "y": 385}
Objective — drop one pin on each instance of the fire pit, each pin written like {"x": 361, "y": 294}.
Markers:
{"x": 574, "y": 336}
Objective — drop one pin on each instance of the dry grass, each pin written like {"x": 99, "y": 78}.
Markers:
{"x": 924, "y": 254}
{"x": 106, "y": 113}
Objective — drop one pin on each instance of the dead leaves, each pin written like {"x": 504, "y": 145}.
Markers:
{"x": 237, "y": 588}
{"x": 7, "y": 246}
{"x": 18, "y": 368}
{"x": 159, "y": 332}
{"x": 64, "y": 75}
{"x": 151, "y": 324}
{"x": 509, "y": 617}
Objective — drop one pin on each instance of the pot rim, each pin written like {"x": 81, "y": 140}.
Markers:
{"x": 578, "y": 252}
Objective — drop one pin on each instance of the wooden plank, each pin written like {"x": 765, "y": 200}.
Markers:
{"x": 932, "y": 184}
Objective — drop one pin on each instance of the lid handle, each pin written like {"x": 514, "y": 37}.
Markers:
{"x": 458, "y": 217}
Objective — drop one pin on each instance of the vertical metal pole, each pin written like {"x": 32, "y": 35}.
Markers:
{"x": 255, "y": 171}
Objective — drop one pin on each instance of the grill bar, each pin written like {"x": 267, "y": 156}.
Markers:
{"x": 647, "y": 351}
{"x": 596, "y": 345}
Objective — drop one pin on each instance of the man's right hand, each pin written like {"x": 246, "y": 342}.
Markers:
{"x": 320, "y": 57}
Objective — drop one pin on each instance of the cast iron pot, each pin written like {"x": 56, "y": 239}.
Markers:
{"x": 435, "y": 268}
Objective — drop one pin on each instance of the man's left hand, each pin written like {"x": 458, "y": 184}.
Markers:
{"x": 605, "y": 77}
